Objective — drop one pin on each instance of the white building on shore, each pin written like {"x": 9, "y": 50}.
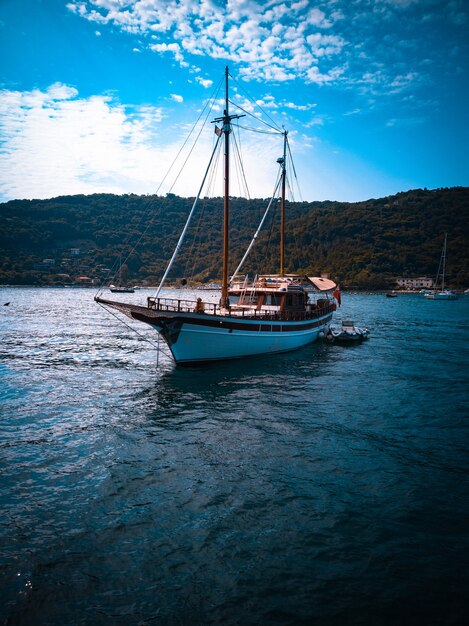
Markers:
{"x": 422, "y": 282}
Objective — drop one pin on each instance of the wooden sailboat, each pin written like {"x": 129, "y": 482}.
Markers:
{"x": 442, "y": 294}
{"x": 266, "y": 314}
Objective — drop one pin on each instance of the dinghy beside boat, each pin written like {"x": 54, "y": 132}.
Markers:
{"x": 346, "y": 332}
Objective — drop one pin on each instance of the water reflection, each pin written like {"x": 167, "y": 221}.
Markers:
{"x": 220, "y": 385}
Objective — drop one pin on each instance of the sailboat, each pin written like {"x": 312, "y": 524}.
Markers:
{"x": 443, "y": 294}
{"x": 121, "y": 287}
{"x": 260, "y": 315}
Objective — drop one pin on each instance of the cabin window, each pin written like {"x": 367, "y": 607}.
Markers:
{"x": 271, "y": 299}
{"x": 295, "y": 301}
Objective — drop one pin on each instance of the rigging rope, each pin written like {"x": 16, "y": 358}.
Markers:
{"x": 277, "y": 184}
{"x": 210, "y": 101}
{"x": 255, "y": 103}
{"x": 294, "y": 170}
{"x": 240, "y": 168}
{"x": 238, "y": 106}
{"x": 256, "y": 130}
{"x": 210, "y": 186}
{"x": 152, "y": 343}
{"x": 127, "y": 325}
{"x": 181, "y": 238}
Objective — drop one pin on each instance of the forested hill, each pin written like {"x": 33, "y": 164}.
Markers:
{"x": 363, "y": 244}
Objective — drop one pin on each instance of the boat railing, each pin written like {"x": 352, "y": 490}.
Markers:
{"x": 181, "y": 306}
{"x": 209, "y": 308}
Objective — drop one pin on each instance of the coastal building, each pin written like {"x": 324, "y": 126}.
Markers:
{"x": 84, "y": 281}
{"x": 422, "y": 282}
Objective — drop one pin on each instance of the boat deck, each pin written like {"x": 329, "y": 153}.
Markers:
{"x": 170, "y": 305}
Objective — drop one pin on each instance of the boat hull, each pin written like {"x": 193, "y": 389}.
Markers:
{"x": 201, "y": 343}
{"x": 443, "y": 295}
{"x": 198, "y": 338}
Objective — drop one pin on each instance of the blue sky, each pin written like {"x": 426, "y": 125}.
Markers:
{"x": 98, "y": 95}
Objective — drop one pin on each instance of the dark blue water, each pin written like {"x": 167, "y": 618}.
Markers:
{"x": 326, "y": 486}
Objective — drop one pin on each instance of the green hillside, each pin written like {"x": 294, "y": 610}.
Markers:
{"x": 364, "y": 244}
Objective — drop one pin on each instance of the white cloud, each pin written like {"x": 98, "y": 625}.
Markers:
{"x": 318, "y": 18}
{"x": 204, "y": 82}
{"x": 171, "y": 47}
{"x": 55, "y": 142}
{"x": 316, "y": 121}
{"x": 298, "y": 107}
{"x": 271, "y": 41}
{"x": 401, "y": 81}
{"x": 177, "y": 98}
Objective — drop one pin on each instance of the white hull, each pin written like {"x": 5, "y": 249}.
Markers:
{"x": 442, "y": 295}
{"x": 197, "y": 343}
{"x": 197, "y": 338}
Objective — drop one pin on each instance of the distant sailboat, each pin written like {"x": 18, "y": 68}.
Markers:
{"x": 443, "y": 294}
{"x": 121, "y": 287}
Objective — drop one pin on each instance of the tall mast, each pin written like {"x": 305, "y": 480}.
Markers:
{"x": 226, "y": 204}
{"x": 226, "y": 119}
{"x": 282, "y": 208}
{"x": 444, "y": 264}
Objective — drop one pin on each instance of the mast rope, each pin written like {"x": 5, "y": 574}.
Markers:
{"x": 256, "y": 130}
{"x": 131, "y": 328}
{"x": 210, "y": 187}
{"x": 210, "y": 101}
{"x": 253, "y": 241}
{"x": 242, "y": 181}
{"x": 186, "y": 226}
{"x": 259, "y": 119}
{"x": 294, "y": 171}
{"x": 249, "y": 97}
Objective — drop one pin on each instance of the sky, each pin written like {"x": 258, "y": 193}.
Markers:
{"x": 100, "y": 95}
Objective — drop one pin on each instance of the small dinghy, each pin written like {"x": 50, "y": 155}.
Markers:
{"x": 346, "y": 332}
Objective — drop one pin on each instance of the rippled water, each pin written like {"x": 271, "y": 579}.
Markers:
{"x": 325, "y": 486}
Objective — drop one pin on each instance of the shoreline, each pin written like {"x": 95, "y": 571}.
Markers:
{"x": 213, "y": 289}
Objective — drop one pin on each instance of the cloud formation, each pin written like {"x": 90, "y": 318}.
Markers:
{"x": 270, "y": 41}
{"x": 54, "y": 142}
{"x": 328, "y": 42}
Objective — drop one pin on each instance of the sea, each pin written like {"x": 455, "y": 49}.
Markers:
{"x": 326, "y": 486}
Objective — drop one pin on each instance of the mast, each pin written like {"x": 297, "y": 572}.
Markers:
{"x": 226, "y": 203}
{"x": 444, "y": 264}
{"x": 282, "y": 208}
{"x": 226, "y": 119}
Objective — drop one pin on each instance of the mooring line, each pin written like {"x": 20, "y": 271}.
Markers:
{"x": 150, "y": 341}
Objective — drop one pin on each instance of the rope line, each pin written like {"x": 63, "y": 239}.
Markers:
{"x": 238, "y": 106}
{"x": 256, "y": 130}
{"x": 150, "y": 222}
{"x": 127, "y": 325}
{"x": 249, "y": 97}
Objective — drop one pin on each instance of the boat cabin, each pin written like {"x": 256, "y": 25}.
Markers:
{"x": 275, "y": 294}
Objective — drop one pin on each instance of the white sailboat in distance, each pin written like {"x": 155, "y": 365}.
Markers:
{"x": 442, "y": 294}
